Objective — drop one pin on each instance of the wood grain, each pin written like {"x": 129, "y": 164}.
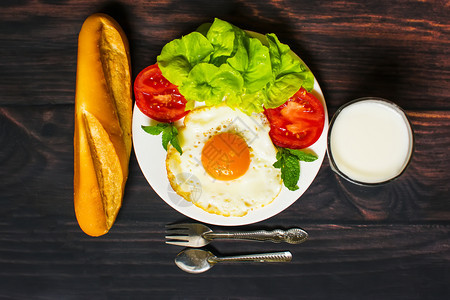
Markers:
{"x": 38, "y": 149}
{"x": 397, "y": 50}
{"x": 130, "y": 262}
{"x": 389, "y": 242}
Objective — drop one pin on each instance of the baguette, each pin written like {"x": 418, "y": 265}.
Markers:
{"x": 103, "y": 110}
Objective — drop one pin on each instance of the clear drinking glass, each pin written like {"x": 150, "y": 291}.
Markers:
{"x": 370, "y": 141}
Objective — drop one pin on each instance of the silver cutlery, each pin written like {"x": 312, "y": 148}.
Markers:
{"x": 199, "y": 261}
{"x": 198, "y": 235}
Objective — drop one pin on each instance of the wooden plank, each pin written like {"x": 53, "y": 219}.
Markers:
{"x": 37, "y": 157}
{"x": 390, "y": 242}
{"x": 394, "y": 50}
{"x": 132, "y": 261}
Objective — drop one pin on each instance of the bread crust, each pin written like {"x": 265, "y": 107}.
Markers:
{"x": 103, "y": 110}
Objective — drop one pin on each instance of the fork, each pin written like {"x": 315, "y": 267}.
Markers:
{"x": 198, "y": 235}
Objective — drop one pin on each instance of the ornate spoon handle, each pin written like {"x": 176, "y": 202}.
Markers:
{"x": 284, "y": 256}
{"x": 291, "y": 236}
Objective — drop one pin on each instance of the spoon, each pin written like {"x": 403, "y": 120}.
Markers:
{"x": 198, "y": 261}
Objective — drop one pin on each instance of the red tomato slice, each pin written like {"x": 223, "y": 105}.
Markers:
{"x": 158, "y": 98}
{"x": 298, "y": 123}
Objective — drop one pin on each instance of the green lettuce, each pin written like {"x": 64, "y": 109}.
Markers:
{"x": 221, "y": 63}
{"x": 252, "y": 60}
{"x": 222, "y": 36}
{"x": 179, "y": 56}
{"x": 289, "y": 73}
{"x": 211, "y": 85}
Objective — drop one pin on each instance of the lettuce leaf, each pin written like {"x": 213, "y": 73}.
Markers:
{"x": 222, "y": 63}
{"x": 212, "y": 85}
{"x": 289, "y": 73}
{"x": 204, "y": 28}
{"x": 179, "y": 56}
{"x": 253, "y": 102}
{"x": 222, "y": 36}
{"x": 253, "y": 60}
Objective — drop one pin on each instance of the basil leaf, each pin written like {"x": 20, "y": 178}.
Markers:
{"x": 175, "y": 143}
{"x": 278, "y": 164}
{"x": 288, "y": 160}
{"x": 155, "y": 129}
{"x": 303, "y": 156}
{"x": 166, "y": 136}
{"x": 290, "y": 172}
{"x": 169, "y": 134}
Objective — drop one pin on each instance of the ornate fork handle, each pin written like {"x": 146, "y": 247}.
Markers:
{"x": 284, "y": 256}
{"x": 291, "y": 236}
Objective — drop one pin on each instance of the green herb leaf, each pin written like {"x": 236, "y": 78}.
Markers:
{"x": 278, "y": 164}
{"x": 166, "y": 137}
{"x": 303, "y": 155}
{"x": 155, "y": 129}
{"x": 290, "y": 172}
{"x": 288, "y": 160}
{"x": 169, "y": 134}
{"x": 174, "y": 141}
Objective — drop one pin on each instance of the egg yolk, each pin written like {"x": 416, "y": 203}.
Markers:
{"x": 225, "y": 156}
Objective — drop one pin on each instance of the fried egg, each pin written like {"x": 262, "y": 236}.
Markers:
{"x": 227, "y": 163}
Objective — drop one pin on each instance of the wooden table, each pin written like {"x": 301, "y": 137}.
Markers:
{"x": 390, "y": 242}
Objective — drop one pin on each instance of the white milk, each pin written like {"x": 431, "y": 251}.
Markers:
{"x": 371, "y": 141}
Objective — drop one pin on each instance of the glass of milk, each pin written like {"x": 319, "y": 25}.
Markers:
{"x": 370, "y": 141}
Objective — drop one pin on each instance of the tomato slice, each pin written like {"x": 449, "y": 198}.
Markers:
{"x": 298, "y": 123}
{"x": 158, "y": 98}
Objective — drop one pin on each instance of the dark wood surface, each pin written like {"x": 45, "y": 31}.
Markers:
{"x": 391, "y": 242}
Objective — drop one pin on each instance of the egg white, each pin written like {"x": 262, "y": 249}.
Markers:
{"x": 258, "y": 187}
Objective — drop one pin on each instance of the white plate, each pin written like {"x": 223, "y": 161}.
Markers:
{"x": 151, "y": 158}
